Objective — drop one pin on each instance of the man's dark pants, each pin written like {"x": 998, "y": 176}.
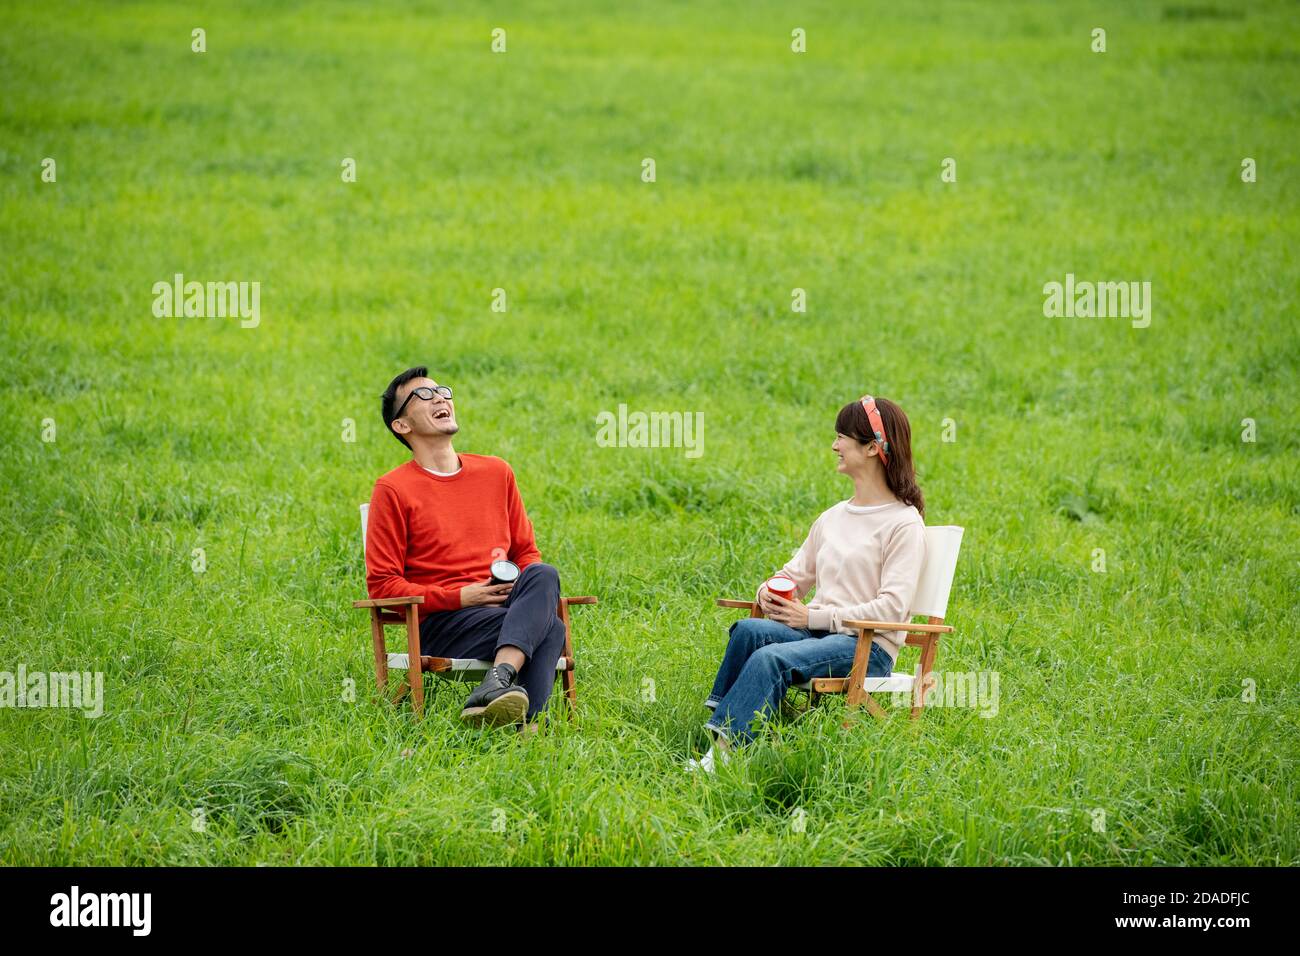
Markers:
{"x": 527, "y": 620}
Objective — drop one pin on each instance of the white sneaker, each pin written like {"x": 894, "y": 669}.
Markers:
{"x": 706, "y": 763}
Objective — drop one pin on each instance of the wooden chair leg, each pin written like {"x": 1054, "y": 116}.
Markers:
{"x": 570, "y": 693}
{"x": 918, "y": 692}
{"x": 381, "y": 655}
{"x": 856, "y": 696}
{"x": 567, "y": 681}
{"x": 927, "y": 665}
{"x": 414, "y": 676}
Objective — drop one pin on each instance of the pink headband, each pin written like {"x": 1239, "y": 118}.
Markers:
{"x": 877, "y": 426}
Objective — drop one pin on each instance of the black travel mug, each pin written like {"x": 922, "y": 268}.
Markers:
{"x": 504, "y": 572}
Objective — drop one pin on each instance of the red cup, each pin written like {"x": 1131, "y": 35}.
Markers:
{"x": 781, "y": 587}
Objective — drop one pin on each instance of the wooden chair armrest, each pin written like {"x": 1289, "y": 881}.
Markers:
{"x": 899, "y": 626}
{"x": 390, "y": 602}
{"x": 579, "y": 600}
{"x": 727, "y": 602}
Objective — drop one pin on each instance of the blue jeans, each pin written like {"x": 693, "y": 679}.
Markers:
{"x": 765, "y": 657}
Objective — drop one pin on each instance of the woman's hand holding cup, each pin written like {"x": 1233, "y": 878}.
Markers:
{"x": 789, "y": 613}
{"x": 776, "y": 599}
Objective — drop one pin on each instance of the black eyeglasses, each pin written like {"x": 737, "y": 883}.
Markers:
{"x": 426, "y": 393}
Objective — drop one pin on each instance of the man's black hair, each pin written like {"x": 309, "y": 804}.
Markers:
{"x": 390, "y": 398}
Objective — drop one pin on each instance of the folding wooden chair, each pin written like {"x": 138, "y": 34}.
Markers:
{"x": 402, "y": 611}
{"x": 942, "y": 543}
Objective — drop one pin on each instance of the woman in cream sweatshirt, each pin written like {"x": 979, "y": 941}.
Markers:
{"x": 861, "y": 561}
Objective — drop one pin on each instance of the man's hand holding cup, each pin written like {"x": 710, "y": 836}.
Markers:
{"x": 495, "y": 590}
{"x": 476, "y": 595}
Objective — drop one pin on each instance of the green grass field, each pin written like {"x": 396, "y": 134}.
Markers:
{"x": 1126, "y": 732}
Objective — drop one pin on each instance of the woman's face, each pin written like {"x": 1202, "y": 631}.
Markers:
{"x": 852, "y": 456}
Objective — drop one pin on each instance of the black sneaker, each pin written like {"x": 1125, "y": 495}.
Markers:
{"x": 498, "y": 700}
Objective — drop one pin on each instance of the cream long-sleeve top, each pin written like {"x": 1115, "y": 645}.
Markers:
{"x": 863, "y": 563}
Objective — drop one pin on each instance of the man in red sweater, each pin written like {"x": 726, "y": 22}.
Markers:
{"x": 436, "y": 525}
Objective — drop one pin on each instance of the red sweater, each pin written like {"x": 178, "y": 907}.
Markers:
{"x": 431, "y": 536}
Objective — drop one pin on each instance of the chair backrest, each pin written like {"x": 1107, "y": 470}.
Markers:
{"x": 942, "y": 542}
{"x": 365, "y": 516}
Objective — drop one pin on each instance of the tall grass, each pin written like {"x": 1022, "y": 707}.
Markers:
{"x": 227, "y": 704}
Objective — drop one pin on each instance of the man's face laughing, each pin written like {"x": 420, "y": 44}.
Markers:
{"x": 427, "y": 418}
